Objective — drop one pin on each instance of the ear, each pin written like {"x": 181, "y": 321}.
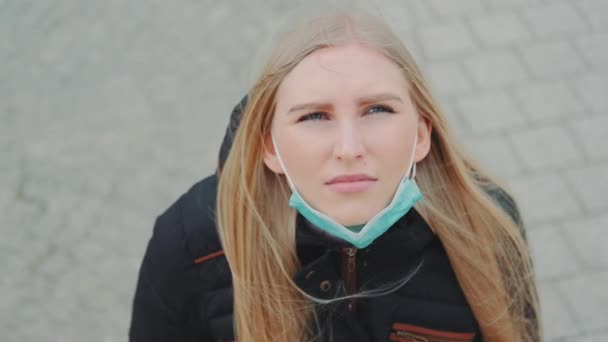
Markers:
{"x": 271, "y": 158}
{"x": 423, "y": 145}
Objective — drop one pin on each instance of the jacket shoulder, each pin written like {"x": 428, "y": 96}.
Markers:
{"x": 195, "y": 212}
{"x": 506, "y": 202}
{"x": 170, "y": 279}
{"x": 186, "y": 230}
{"x": 183, "y": 234}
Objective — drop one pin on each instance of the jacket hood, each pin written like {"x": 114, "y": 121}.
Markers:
{"x": 233, "y": 124}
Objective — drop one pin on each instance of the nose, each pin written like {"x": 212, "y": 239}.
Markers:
{"x": 349, "y": 143}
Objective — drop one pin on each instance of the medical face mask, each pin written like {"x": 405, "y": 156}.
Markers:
{"x": 405, "y": 197}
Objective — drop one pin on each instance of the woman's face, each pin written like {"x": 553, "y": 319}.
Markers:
{"x": 345, "y": 129}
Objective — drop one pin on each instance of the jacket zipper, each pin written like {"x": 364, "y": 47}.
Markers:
{"x": 411, "y": 333}
{"x": 349, "y": 273}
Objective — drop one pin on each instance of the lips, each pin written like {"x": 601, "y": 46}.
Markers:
{"x": 349, "y": 184}
{"x": 351, "y": 178}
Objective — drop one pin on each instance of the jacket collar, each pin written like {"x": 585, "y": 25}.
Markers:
{"x": 409, "y": 234}
{"x": 391, "y": 257}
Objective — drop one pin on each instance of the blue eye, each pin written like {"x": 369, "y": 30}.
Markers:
{"x": 380, "y": 109}
{"x": 313, "y": 116}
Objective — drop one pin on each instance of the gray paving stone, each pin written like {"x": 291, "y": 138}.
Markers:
{"x": 120, "y": 219}
{"x": 503, "y": 6}
{"x": 554, "y": 18}
{"x": 9, "y": 181}
{"x": 592, "y": 133}
{"x": 14, "y": 262}
{"x": 496, "y": 69}
{"x": 20, "y": 213}
{"x": 552, "y": 59}
{"x": 496, "y": 154}
{"x": 500, "y": 29}
{"x": 31, "y": 315}
{"x": 106, "y": 317}
{"x": 594, "y": 48}
{"x": 599, "y": 337}
{"x": 110, "y": 110}
{"x": 587, "y": 236}
{"x": 544, "y": 197}
{"x": 447, "y": 78}
{"x": 417, "y": 12}
{"x": 127, "y": 192}
{"x": 50, "y": 173}
{"x": 557, "y": 320}
{"x": 450, "y": 109}
{"x": 590, "y": 185}
{"x": 402, "y": 18}
{"x": 592, "y": 88}
{"x": 80, "y": 220}
{"x": 412, "y": 44}
{"x": 447, "y": 41}
{"x": 551, "y": 253}
{"x": 587, "y": 296}
{"x": 548, "y": 101}
{"x": 452, "y": 9}
{"x": 546, "y": 147}
{"x": 594, "y": 11}
{"x": 54, "y": 264}
{"x": 490, "y": 112}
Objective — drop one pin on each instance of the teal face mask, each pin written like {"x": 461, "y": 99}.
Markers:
{"x": 405, "y": 197}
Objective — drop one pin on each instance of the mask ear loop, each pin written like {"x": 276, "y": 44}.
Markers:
{"x": 276, "y": 149}
{"x": 412, "y": 162}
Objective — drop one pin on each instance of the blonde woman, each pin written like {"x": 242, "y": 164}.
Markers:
{"x": 345, "y": 212}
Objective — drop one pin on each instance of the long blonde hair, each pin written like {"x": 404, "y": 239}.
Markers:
{"x": 485, "y": 246}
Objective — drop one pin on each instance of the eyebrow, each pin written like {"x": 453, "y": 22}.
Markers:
{"x": 360, "y": 101}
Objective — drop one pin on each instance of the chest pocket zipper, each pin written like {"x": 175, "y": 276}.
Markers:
{"x": 410, "y": 333}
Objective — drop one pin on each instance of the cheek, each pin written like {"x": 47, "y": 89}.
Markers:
{"x": 301, "y": 154}
{"x": 393, "y": 144}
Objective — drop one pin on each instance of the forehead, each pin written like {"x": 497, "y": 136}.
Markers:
{"x": 348, "y": 70}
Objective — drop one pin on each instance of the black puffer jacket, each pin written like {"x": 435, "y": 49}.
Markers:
{"x": 184, "y": 289}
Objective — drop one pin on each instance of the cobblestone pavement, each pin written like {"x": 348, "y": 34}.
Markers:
{"x": 111, "y": 109}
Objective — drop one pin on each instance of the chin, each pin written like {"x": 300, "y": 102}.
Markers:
{"x": 348, "y": 219}
{"x": 351, "y": 213}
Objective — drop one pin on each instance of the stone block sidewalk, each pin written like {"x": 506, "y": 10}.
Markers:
{"x": 109, "y": 110}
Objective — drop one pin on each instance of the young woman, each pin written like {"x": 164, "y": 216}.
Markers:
{"x": 345, "y": 212}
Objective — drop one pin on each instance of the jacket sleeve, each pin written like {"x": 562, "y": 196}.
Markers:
{"x": 161, "y": 310}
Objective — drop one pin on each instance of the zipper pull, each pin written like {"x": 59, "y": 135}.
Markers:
{"x": 350, "y": 264}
